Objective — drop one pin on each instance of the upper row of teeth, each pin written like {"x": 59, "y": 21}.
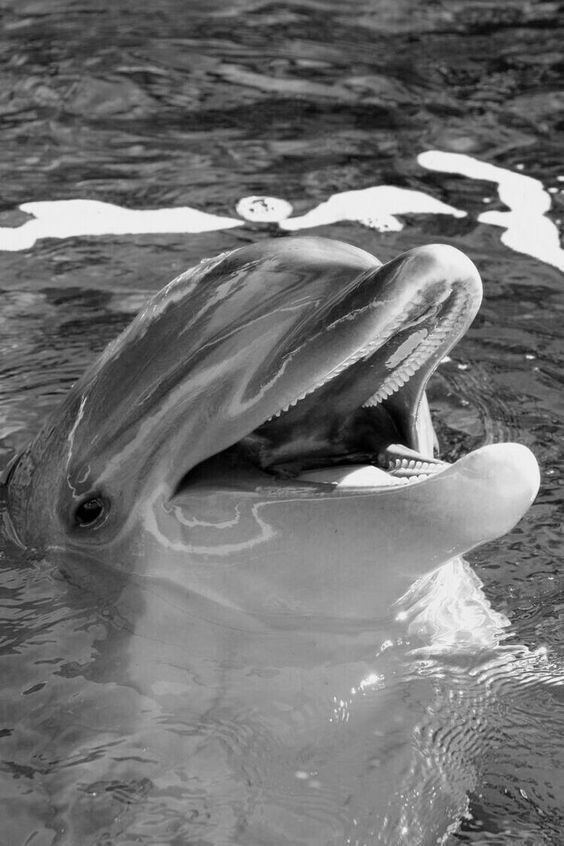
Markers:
{"x": 363, "y": 352}
{"x": 414, "y": 361}
{"x": 398, "y": 377}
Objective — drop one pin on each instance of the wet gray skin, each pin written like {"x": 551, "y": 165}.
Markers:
{"x": 293, "y": 354}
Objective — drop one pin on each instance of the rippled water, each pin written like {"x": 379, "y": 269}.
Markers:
{"x": 200, "y": 105}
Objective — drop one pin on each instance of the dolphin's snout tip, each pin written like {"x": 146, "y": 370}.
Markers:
{"x": 509, "y": 467}
{"x": 440, "y": 269}
{"x": 505, "y": 479}
{"x": 446, "y": 256}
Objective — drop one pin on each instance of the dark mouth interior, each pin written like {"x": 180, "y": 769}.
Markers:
{"x": 373, "y": 436}
{"x": 290, "y": 448}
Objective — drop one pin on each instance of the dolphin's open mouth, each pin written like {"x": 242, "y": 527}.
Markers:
{"x": 367, "y": 423}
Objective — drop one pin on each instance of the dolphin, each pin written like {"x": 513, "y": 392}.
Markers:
{"x": 249, "y": 470}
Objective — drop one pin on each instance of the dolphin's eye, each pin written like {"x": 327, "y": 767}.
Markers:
{"x": 90, "y": 512}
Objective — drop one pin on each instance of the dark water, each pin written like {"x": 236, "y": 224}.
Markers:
{"x": 200, "y": 104}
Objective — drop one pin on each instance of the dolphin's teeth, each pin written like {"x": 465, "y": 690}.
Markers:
{"x": 420, "y": 354}
{"x": 364, "y": 352}
{"x": 291, "y": 404}
{"x": 413, "y": 469}
{"x": 403, "y": 373}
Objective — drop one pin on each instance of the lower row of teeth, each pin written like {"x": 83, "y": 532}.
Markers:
{"x": 408, "y": 468}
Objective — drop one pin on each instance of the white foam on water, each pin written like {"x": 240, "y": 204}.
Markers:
{"x": 374, "y": 207}
{"x": 447, "y": 609}
{"x": 527, "y": 229}
{"x": 263, "y": 209}
{"x": 74, "y": 218}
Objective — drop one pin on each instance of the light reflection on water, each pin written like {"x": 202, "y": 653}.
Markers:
{"x": 198, "y": 104}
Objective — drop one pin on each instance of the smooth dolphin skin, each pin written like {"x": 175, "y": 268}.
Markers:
{"x": 247, "y": 478}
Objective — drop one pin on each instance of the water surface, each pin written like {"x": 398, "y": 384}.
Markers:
{"x": 202, "y": 104}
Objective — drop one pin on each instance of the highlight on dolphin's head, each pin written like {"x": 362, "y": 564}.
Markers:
{"x": 305, "y": 356}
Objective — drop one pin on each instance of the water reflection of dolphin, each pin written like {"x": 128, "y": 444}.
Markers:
{"x": 243, "y": 457}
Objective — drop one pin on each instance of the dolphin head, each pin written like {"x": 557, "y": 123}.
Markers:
{"x": 300, "y": 353}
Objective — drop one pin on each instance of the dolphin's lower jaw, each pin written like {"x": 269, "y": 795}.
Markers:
{"x": 299, "y": 550}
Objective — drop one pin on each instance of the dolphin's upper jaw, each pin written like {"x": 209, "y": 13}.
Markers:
{"x": 370, "y": 411}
